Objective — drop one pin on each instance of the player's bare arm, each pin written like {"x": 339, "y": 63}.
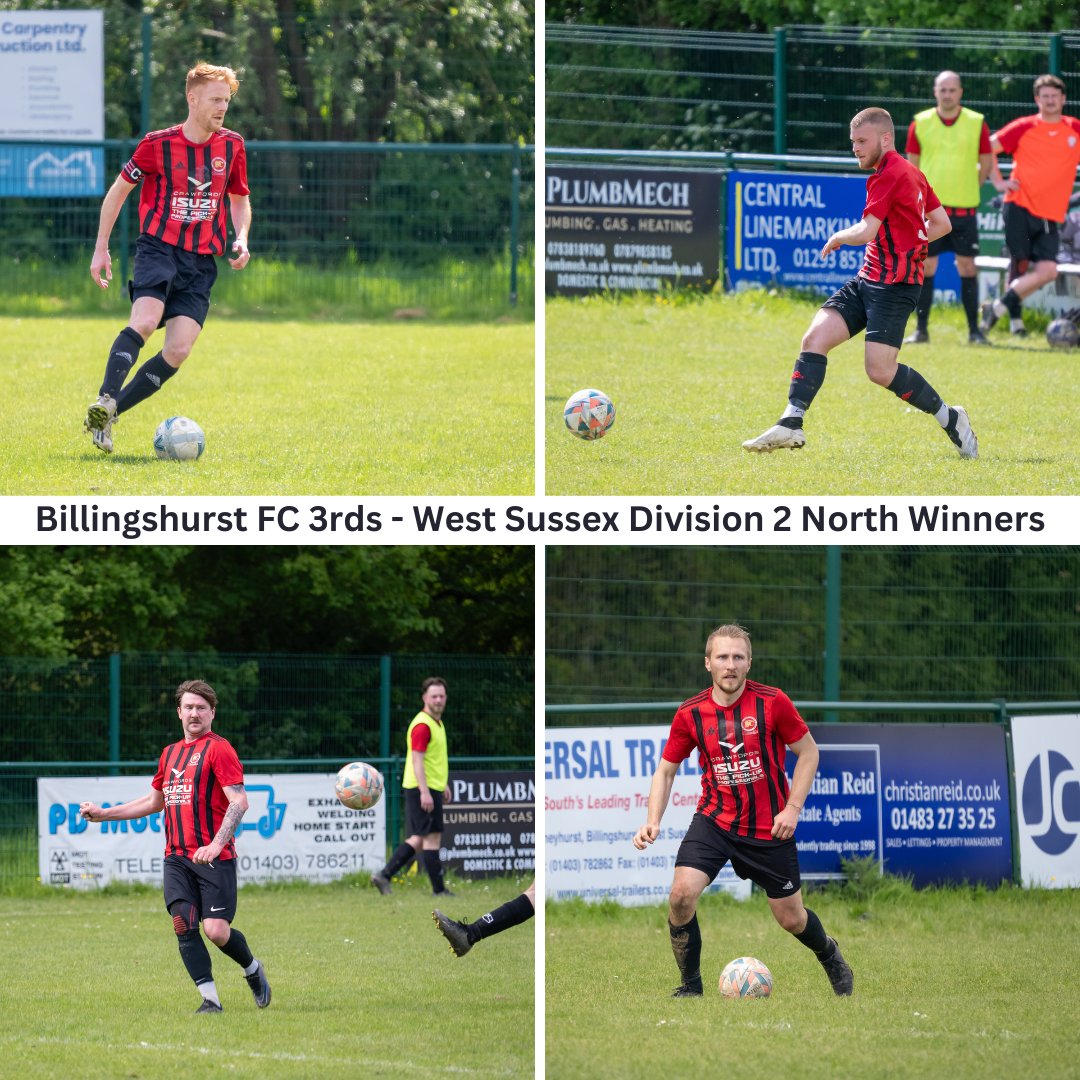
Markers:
{"x": 659, "y": 793}
{"x": 427, "y": 803}
{"x": 939, "y": 224}
{"x": 999, "y": 182}
{"x": 101, "y": 263}
{"x": 853, "y": 236}
{"x": 137, "y": 808}
{"x": 240, "y": 209}
{"x": 801, "y": 781}
{"x": 238, "y": 805}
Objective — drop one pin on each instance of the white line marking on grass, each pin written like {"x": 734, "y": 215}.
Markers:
{"x": 221, "y": 1052}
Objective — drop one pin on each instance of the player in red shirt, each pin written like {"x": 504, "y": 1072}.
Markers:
{"x": 189, "y": 173}
{"x": 1045, "y": 148}
{"x": 746, "y": 813}
{"x": 199, "y": 791}
{"x": 901, "y": 218}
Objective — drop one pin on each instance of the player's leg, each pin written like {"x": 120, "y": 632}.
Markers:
{"x": 837, "y": 320}
{"x": 417, "y": 821}
{"x": 463, "y": 936}
{"x": 183, "y": 898}
{"x": 1032, "y": 243}
{"x": 965, "y": 243}
{"x": 921, "y": 334}
{"x": 432, "y": 862}
{"x": 888, "y": 308}
{"x": 217, "y": 886}
{"x": 804, "y": 925}
{"x": 181, "y": 333}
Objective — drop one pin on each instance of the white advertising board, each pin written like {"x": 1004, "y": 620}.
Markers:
{"x": 294, "y": 828}
{"x": 1046, "y": 762}
{"x": 52, "y": 75}
{"x": 596, "y": 793}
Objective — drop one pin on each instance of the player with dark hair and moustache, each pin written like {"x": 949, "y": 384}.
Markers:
{"x": 199, "y": 791}
{"x": 186, "y": 172}
{"x": 746, "y": 814}
{"x": 902, "y": 217}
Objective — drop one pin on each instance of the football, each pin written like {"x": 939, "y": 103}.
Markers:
{"x": 589, "y": 413}
{"x": 745, "y": 978}
{"x": 359, "y": 785}
{"x": 1063, "y": 334}
{"x": 179, "y": 439}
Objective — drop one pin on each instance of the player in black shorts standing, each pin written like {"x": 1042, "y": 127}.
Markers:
{"x": 199, "y": 785}
{"x": 746, "y": 814}
{"x": 186, "y": 172}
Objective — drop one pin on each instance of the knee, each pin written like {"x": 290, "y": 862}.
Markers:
{"x": 184, "y": 918}
{"x": 793, "y": 920}
{"x": 143, "y": 328}
{"x": 879, "y": 375}
{"x": 176, "y": 353}
{"x": 681, "y": 905}
{"x": 218, "y": 931}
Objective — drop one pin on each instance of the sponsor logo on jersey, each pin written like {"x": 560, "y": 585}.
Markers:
{"x": 749, "y": 724}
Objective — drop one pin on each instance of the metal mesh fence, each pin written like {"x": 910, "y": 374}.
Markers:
{"x": 792, "y": 91}
{"x": 354, "y": 229}
{"x": 934, "y": 624}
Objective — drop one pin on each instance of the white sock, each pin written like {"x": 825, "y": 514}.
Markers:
{"x": 252, "y": 967}
{"x": 1000, "y": 310}
{"x": 942, "y": 415}
{"x": 792, "y": 410}
{"x": 1016, "y": 324}
{"x": 209, "y": 992}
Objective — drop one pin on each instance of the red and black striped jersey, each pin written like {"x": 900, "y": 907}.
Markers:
{"x": 184, "y": 185}
{"x": 900, "y": 197}
{"x": 191, "y": 777}
{"x": 741, "y": 752}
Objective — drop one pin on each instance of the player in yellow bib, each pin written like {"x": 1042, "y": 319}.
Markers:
{"x": 427, "y": 771}
{"x": 950, "y": 145}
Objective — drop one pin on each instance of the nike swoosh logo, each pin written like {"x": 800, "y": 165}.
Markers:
{"x": 217, "y": 909}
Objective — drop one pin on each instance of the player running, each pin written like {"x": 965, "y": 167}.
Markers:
{"x": 186, "y": 171}
{"x": 901, "y": 218}
{"x": 199, "y": 785}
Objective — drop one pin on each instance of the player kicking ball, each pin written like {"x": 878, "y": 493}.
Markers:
{"x": 463, "y": 936}
{"x": 901, "y": 218}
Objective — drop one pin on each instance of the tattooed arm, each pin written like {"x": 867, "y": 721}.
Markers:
{"x": 238, "y": 805}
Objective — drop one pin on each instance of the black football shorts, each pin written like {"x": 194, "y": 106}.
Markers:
{"x": 180, "y": 279}
{"x": 419, "y": 822}
{"x": 211, "y": 890}
{"x": 881, "y": 310}
{"x": 963, "y": 240}
{"x": 772, "y": 864}
{"x": 1029, "y": 237}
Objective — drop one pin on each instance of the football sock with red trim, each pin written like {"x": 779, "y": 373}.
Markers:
{"x": 910, "y": 386}
{"x": 806, "y": 380}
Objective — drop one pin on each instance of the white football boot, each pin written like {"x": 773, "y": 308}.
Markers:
{"x": 777, "y": 437}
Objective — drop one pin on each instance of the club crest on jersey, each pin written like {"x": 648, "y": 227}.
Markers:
{"x": 218, "y": 164}
{"x": 195, "y": 758}
{"x": 749, "y": 724}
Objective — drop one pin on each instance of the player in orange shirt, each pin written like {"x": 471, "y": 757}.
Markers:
{"x": 1045, "y": 148}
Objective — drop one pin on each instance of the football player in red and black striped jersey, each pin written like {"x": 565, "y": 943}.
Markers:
{"x": 189, "y": 174}
{"x": 199, "y": 791}
{"x": 746, "y": 814}
{"x": 901, "y": 218}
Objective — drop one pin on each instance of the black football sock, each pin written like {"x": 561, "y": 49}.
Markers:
{"x": 806, "y": 380}
{"x": 196, "y": 958}
{"x": 815, "y": 938}
{"x": 399, "y": 860}
{"x": 686, "y": 945}
{"x": 146, "y": 381}
{"x": 433, "y": 865}
{"x": 969, "y": 297}
{"x": 925, "y": 302}
{"x": 236, "y": 949}
{"x": 911, "y": 387}
{"x": 1013, "y": 304}
{"x": 122, "y": 357}
{"x": 502, "y": 918}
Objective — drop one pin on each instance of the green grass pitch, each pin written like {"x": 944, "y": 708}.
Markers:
{"x": 362, "y": 985}
{"x": 692, "y": 378}
{"x": 968, "y": 984}
{"x": 288, "y": 408}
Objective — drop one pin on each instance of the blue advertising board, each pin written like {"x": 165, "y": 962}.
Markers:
{"x": 38, "y": 169}
{"x": 929, "y": 801}
{"x": 777, "y": 224}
